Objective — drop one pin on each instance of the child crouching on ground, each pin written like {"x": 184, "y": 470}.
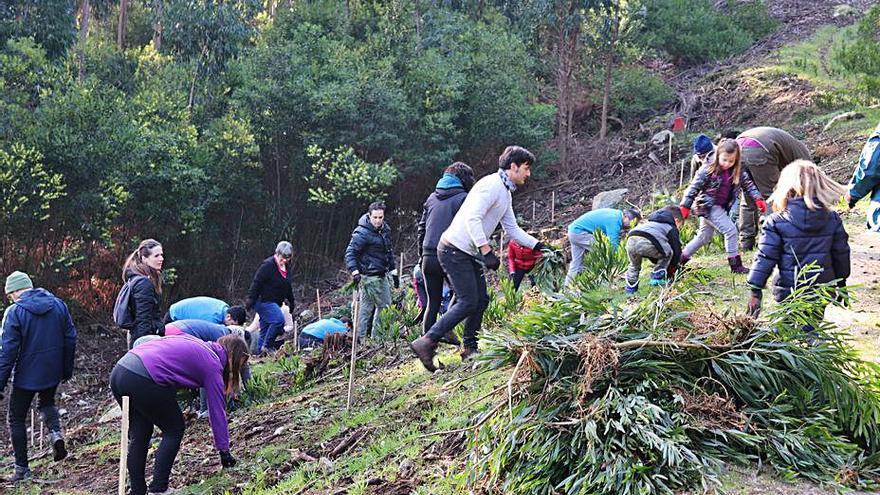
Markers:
{"x": 711, "y": 193}
{"x": 802, "y": 230}
{"x": 658, "y": 240}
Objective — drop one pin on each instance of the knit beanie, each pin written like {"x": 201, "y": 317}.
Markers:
{"x": 17, "y": 281}
{"x": 702, "y": 144}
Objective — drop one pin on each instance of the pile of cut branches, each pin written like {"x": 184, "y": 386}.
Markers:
{"x": 657, "y": 396}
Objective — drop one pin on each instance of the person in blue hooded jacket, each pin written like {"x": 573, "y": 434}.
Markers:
{"x": 38, "y": 349}
{"x": 802, "y": 231}
{"x": 866, "y": 179}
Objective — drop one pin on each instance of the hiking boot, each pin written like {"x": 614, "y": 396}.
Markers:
{"x": 424, "y": 348}
{"x": 451, "y": 338}
{"x": 20, "y": 473}
{"x": 468, "y": 354}
{"x": 59, "y": 452}
{"x": 736, "y": 264}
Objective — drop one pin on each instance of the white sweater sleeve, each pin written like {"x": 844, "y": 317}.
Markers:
{"x": 514, "y": 231}
{"x": 480, "y": 200}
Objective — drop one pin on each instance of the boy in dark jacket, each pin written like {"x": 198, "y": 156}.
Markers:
{"x": 658, "y": 240}
{"x": 802, "y": 231}
{"x": 38, "y": 346}
{"x": 370, "y": 260}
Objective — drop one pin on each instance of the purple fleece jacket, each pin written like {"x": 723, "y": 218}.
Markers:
{"x": 183, "y": 361}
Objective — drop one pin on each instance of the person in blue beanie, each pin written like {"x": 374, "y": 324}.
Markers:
{"x": 38, "y": 350}
{"x": 704, "y": 149}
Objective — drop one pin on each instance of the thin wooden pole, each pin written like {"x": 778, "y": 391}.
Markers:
{"x": 123, "y": 446}
{"x": 400, "y": 271}
{"x": 670, "y": 149}
{"x": 354, "y": 339}
{"x": 33, "y": 429}
{"x": 296, "y": 335}
{"x": 681, "y": 173}
{"x": 318, "y": 292}
{"x": 553, "y": 207}
{"x": 41, "y": 434}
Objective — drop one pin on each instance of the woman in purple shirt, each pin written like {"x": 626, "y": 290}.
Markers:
{"x": 151, "y": 374}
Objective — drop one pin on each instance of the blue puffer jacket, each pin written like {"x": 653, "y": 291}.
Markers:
{"x": 369, "y": 251}
{"x": 866, "y": 178}
{"x": 795, "y": 238}
{"x": 39, "y": 342}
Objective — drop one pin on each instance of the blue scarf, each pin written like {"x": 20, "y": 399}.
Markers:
{"x": 449, "y": 181}
{"x": 506, "y": 180}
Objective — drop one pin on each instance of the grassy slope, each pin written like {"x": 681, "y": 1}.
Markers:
{"x": 401, "y": 403}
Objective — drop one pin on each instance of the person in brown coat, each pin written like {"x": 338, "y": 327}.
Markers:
{"x": 765, "y": 152}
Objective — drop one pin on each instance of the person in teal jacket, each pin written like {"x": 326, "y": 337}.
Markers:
{"x": 866, "y": 179}
{"x": 313, "y": 335}
{"x": 612, "y": 222}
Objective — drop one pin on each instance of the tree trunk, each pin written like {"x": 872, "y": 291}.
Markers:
{"x": 85, "y": 13}
{"x": 566, "y": 58}
{"x": 122, "y": 24}
{"x": 417, "y": 15}
{"x": 157, "y": 25}
{"x": 273, "y": 8}
{"x": 609, "y": 66}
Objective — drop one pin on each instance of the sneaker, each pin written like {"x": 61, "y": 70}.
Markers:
{"x": 202, "y": 415}
{"x": 631, "y": 289}
{"x": 656, "y": 282}
{"x": 424, "y": 348}
{"x": 20, "y": 473}
{"x": 59, "y": 452}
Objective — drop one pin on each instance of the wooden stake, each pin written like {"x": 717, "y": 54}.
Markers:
{"x": 681, "y": 173}
{"x": 553, "y": 207}
{"x": 670, "y": 149}
{"x": 296, "y": 335}
{"x": 41, "y": 434}
{"x": 354, "y": 339}
{"x": 400, "y": 271}
{"x": 33, "y": 429}
{"x": 123, "y": 446}
{"x": 318, "y": 292}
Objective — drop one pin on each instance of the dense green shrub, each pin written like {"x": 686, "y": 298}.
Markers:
{"x": 693, "y": 31}
{"x": 636, "y": 92}
{"x": 862, "y": 57}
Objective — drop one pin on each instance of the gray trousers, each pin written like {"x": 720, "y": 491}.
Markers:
{"x": 638, "y": 248}
{"x": 581, "y": 242}
{"x": 764, "y": 168}
{"x": 375, "y": 295}
{"x": 719, "y": 221}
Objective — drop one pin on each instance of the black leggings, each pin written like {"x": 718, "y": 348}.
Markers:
{"x": 434, "y": 277}
{"x": 149, "y": 404}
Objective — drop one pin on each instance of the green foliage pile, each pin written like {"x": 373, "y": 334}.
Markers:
{"x": 861, "y": 57}
{"x": 694, "y": 31}
{"x": 655, "y": 397}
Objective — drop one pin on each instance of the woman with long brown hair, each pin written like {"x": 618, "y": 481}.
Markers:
{"x": 143, "y": 270}
{"x": 150, "y": 375}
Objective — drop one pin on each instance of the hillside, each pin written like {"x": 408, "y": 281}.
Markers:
{"x": 410, "y": 432}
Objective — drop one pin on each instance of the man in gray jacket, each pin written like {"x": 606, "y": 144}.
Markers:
{"x": 765, "y": 152}
{"x": 464, "y": 250}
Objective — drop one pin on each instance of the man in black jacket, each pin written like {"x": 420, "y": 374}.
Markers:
{"x": 370, "y": 260}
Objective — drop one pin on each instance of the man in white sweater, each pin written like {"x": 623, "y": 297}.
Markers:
{"x": 464, "y": 250}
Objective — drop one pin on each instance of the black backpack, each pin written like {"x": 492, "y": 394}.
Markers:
{"x": 122, "y": 314}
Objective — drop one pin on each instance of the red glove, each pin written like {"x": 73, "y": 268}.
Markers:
{"x": 685, "y": 211}
{"x": 762, "y": 206}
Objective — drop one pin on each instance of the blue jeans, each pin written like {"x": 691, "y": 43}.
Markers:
{"x": 271, "y": 324}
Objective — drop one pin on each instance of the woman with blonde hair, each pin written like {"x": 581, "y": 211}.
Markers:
{"x": 143, "y": 270}
{"x": 801, "y": 231}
